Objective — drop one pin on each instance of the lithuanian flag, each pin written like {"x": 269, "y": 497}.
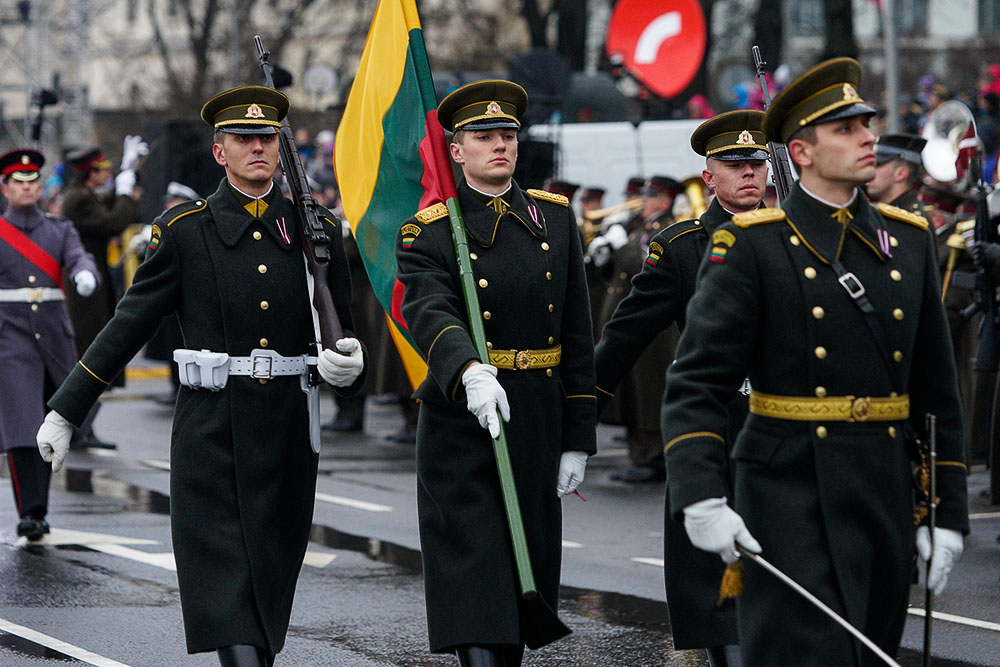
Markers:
{"x": 389, "y": 155}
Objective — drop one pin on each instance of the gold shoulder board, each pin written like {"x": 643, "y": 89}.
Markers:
{"x": 186, "y": 208}
{"x": 549, "y": 196}
{"x": 758, "y": 217}
{"x": 432, "y": 213}
{"x": 897, "y": 213}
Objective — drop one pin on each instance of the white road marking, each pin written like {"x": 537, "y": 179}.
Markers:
{"x": 351, "y": 502}
{"x": 985, "y": 515}
{"x": 156, "y": 463}
{"x": 164, "y": 560}
{"x": 318, "y": 560}
{"x": 567, "y": 544}
{"x": 656, "y": 562}
{"x": 59, "y": 645}
{"x": 952, "y": 618}
{"x": 62, "y": 536}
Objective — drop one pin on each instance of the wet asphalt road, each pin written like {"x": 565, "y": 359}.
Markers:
{"x": 107, "y": 590}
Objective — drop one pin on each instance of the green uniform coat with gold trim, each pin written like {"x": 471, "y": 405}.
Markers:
{"x": 657, "y": 300}
{"x": 528, "y": 268}
{"x": 830, "y": 502}
{"x": 243, "y": 475}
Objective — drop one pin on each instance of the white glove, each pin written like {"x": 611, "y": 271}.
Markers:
{"x": 133, "y": 147}
{"x": 53, "y": 439}
{"x": 948, "y": 546}
{"x": 714, "y": 526}
{"x": 140, "y": 241}
{"x": 599, "y": 251}
{"x": 125, "y": 183}
{"x": 342, "y": 368}
{"x": 571, "y": 468}
{"x": 617, "y": 236}
{"x": 485, "y": 396}
{"x": 86, "y": 282}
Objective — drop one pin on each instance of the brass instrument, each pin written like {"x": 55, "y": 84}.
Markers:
{"x": 632, "y": 206}
{"x": 694, "y": 188}
{"x": 956, "y": 244}
{"x": 944, "y": 131}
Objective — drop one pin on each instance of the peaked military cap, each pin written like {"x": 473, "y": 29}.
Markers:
{"x": 21, "y": 164}
{"x": 905, "y": 147}
{"x": 634, "y": 185}
{"x": 734, "y": 135}
{"x": 564, "y": 188}
{"x": 662, "y": 186}
{"x": 591, "y": 194}
{"x": 84, "y": 159}
{"x": 246, "y": 110}
{"x": 828, "y": 91}
{"x": 484, "y": 105}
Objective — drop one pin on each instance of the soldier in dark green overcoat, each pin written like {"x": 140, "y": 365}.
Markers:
{"x": 529, "y": 276}
{"x": 736, "y": 168}
{"x": 243, "y": 473}
{"x": 822, "y": 471}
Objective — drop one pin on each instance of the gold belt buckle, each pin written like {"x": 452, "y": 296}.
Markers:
{"x": 522, "y": 360}
{"x": 861, "y": 409}
{"x": 34, "y": 295}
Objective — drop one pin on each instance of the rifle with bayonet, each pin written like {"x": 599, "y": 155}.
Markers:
{"x": 781, "y": 168}
{"x": 315, "y": 243}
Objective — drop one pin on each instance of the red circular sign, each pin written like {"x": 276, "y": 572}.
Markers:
{"x": 660, "y": 42}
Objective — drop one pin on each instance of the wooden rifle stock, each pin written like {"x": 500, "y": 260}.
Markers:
{"x": 315, "y": 243}
{"x": 781, "y": 168}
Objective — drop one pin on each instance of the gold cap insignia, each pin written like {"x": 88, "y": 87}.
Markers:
{"x": 850, "y": 93}
{"x": 745, "y": 138}
{"x": 25, "y": 160}
{"x": 493, "y": 108}
{"x": 254, "y": 111}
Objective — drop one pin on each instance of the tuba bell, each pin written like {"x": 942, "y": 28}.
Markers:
{"x": 694, "y": 192}
{"x": 945, "y": 131}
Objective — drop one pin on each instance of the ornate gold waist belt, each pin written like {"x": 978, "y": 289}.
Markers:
{"x": 830, "y": 408}
{"x": 523, "y": 360}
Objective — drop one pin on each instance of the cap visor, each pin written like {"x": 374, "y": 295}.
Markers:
{"x": 256, "y": 129}
{"x": 490, "y": 125}
{"x": 847, "y": 111}
{"x": 738, "y": 154}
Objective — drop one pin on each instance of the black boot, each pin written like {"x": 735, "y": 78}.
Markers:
{"x": 480, "y": 656}
{"x": 724, "y": 656}
{"x": 244, "y": 655}
{"x": 513, "y": 655}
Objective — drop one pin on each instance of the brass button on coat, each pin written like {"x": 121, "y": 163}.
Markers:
{"x": 548, "y": 275}
{"x": 821, "y": 432}
{"x": 473, "y": 255}
{"x": 262, "y": 269}
{"x": 257, "y": 236}
{"x": 551, "y": 340}
{"x": 896, "y": 275}
{"x": 264, "y": 305}
{"x": 820, "y": 352}
{"x": 892, "y": 431}
{"x": 545, "y": 246}
{"x": 551, "y": 308}
{"x": 263, "y": 342}
{"x": 893, "y": 241}
{"x": 809, "y": 272}
{"x": 897, "y": 355}
{"x": 32, "y": 279}
{"x": 897, "y": 313}
{"x": 794, "y": 240}
{"x": 548, "y": 372}
{"x": 483, "y": 282}
{"x": 34, "y": 307}
{"x": 486, "y": 315}
{"x": 818, "y": 312}
{"x": 821, "y": 392}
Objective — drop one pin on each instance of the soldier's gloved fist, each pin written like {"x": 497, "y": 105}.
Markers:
{"x": 140, "y": 240}
{"x": 86, "y": 282}
{"x": 343, "y": 366}
{"x": 132, "y": 149}
{"x": 617, "y": 236}
{"x": 125, "y": 183}
{"x": 985, "y": 254}
{"x": 53, "y": 439}
{"x": 714, "y": 526}
{"x": 599, "y": 251}
{"x": 571, "y": 468}
{"x": 484, "y": 396}
{"x": 948, "y": 547}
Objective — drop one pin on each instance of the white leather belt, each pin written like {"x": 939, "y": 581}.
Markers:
{"x": 203, "y": 369}
{"x": 31, "y": 294}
